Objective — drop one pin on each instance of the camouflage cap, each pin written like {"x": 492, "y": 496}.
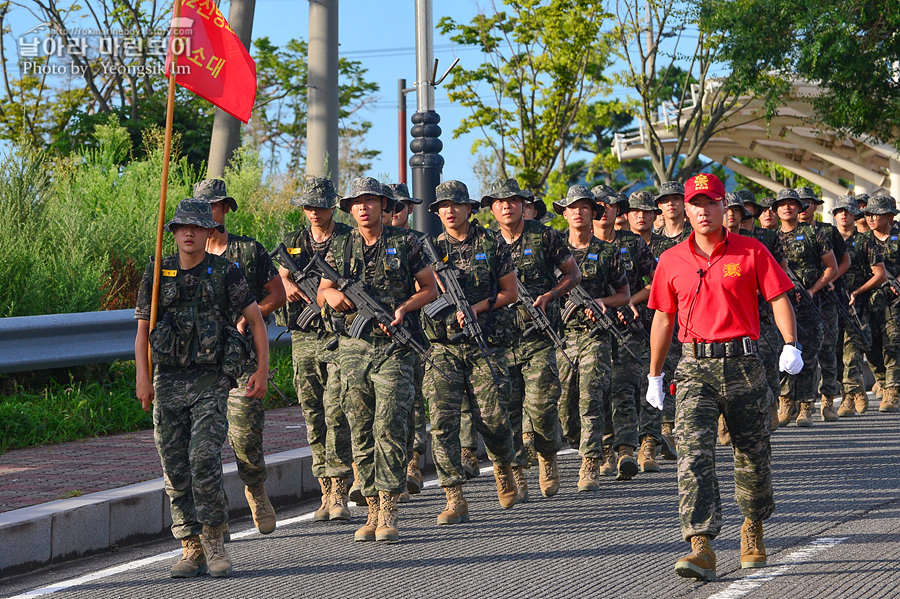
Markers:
{"x": 750, "y": 203}
{"x": 643, "y": 200}
{"x": 194, "y": 212}
{"x": 732, "y": 200}
{"x": 401, "y": 193}
{"x": 367, "y": 186}
{"x": 212, "y": 191}
{"x": 540, "y": 206}
{"x": 603, "y": 191}
{"x": 849, "y": 204}
{"x": 670, "y": 188}
{"x": 786, "y": 195}
{"x": 318, "y": 192}
{"x": 861, "y": 197}
{"x": 766, "y": 202}
{"x": 604, "y": 194}
{"x": 575, "y": 193}
{"x": 454, "y": 191}
{"x": 502, "y": 189}
{"x": 880, "y": 205}
{"x": 808, "y": 193}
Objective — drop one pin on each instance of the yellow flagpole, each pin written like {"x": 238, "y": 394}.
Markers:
{"x": 167, "y": 151}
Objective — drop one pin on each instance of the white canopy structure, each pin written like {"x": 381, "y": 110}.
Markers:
{"x": 793, "y": 139}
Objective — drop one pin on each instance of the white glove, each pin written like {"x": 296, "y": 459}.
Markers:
{"x": 791, "y": 360}
{"x": 655, "y": 394}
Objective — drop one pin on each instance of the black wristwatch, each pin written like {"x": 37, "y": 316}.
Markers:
{"x": 795, "y": 344}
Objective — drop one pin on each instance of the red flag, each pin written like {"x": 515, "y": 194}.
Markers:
{"x": 212, "y": 61}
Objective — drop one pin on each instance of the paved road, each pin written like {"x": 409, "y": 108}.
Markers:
{"x": 835, "y": 534}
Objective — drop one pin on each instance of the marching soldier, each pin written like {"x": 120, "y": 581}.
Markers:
{"x": 536, "y": 251}
{"x": 390, "y": 263}
{"x": 246, "y": 415}
{"x": 720, "y": 371}
{"x": 671, "y": 201}
{"x": 317, "y": 374}
{"x": 865, "y": 275}
{"x": 199, "y": 354}
{"x": 767, "y": 217}
{"x": 488, "y": 280}
{"x": 810, "y": 257}
{"x": 586, "y": 390}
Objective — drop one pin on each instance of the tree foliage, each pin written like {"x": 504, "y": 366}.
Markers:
{"x": 544, "y": 61}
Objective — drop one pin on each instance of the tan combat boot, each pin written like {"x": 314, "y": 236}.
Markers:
{"x": 405, "y": 497}
{"x": 356, "y": 490}
{"x": 862, "y": 402}
{"x": 588, "y": 477}
{"x": 876, "y": 389}
{"x": 804, "y": 418}
{"x": 470, "y": 463}
{"x": 367, "y": 531}
{"x": 785, "y": 408}
{"x": 521, "y": 484}
{"x": 890, "y": 400}
{"x": 549, "y": 474}
{"x": 827, "y": 409}
{"x": 701, "y": 563}
{"x": 340, "y": 502}
{"x": 528, "y": 442}
{"x": 507, "y": 492}
{"x": 457, "y": 509}
{"x": 753, "y": 550}
{"x": 773, "y": 409}
{"x": 217, "y": 559}
{"x": 647, "y": 455}
{"x": 627, "y": 465}
{"x": 724, "y": 435}
{"x": 667, "y": 449}
{"x": 226, "y": 533}
{"x": 414, "y": 479}
{"x": 261, "y": 509}
{"x": 193, "y": 560}
{"x": 388, "y": 516}
{"x": 321, "y": 514}
{"x": 608, "y": 465}
{"x": 847, "y": 407}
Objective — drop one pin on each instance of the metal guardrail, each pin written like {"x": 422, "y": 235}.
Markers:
{"x": 62, "y": 340}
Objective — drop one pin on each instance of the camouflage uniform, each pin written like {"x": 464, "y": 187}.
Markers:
{"x": 197, "y": 355}
{"x": 482, "y": 261}
{"x": 803, "y": 248}
{"x": 829, "y": 351}
{"x": 864, "y": 253}
{"x": 317, "y": 371}
{"x": 379, "y": 388}
{"x": 737, "y": 388}
{"x": 885, "y": 354}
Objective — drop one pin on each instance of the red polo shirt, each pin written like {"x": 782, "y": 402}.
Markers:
{"x": 716, "y": 298}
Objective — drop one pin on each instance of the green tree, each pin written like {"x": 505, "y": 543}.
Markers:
{"x": 544, "y": 61}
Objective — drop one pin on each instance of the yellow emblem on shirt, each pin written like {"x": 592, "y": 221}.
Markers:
{"x": 169, "y": 273}
{"x": 732, "y": 270}
{"x": 295, "y": 251}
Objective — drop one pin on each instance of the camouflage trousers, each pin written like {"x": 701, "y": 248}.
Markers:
{"x": 584, "y": 391}
{"x": 246, "y": 419}
{"x": 885, "y": 355}
{"x": 630, "y": 416}
{"x": 468, "y": 433}
{"x": 851, "y": 352}
{"x": 417, "y": 416}
{"x": 190, "y": 424}
{"x": 737, "y": 388}
{"x": 379, "y": 397}
{"x": 770, "y": 345}
{"x": 534, "y": 395}
{"x": 470, "y": 379}
{"x": 317, "y": 380}
{"x": 802, "y": 387}
{"x": 828, "y": 353}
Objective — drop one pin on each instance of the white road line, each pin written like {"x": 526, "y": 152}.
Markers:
{"x": 748, "y": 583}
{"x": 74, "y": 582}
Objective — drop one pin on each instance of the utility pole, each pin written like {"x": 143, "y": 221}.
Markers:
{"x": 402, "y": 90}
{"x": 226, "y": 132}
{"x": 426, "y": 163}
{"x": 323, "y": 102}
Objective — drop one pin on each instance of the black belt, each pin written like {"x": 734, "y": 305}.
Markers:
{"x": 742, "y": 346}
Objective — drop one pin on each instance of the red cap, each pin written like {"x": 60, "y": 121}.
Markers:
{"x": 704, "y": 184}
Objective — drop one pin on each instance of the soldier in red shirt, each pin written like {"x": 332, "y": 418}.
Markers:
{"x": 710, "y": 281}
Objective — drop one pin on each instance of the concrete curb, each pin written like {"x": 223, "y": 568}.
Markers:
{"x": 68, "y": 529}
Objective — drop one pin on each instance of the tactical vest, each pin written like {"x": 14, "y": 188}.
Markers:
{"x": 197, "y": 330}
{"x": 802, "y": 254}
{"x": 627, "y": 243}
{"x": 890, "y": 252}
{"x": 535, "y": 271}
{"x": 393, "y": 282}
{"x": 242, "y": 251}
{"x": 860, "y": 270}
{"x": 594, "y": 265}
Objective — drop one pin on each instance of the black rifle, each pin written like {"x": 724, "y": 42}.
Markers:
{"x": 307, "y": 280}
{"x": 453, "y": 295}
{"x": 806, "y": 298}
{"x": 579, "y": 298}
{"x": 892, "y": 282}
{"x": 368, "y": 310}
{"x": 849, "y": 315}
{"x": 540, "y": 322}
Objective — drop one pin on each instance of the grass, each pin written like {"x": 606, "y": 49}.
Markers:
{"x": 43, "y": 408}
